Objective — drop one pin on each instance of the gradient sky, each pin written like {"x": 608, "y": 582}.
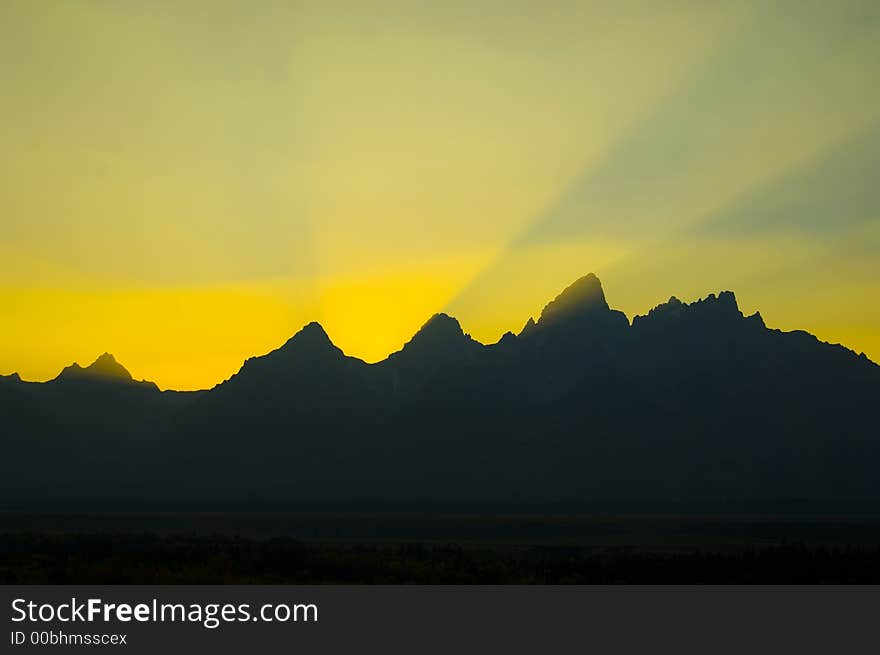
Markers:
{"x": 186, "y": 183}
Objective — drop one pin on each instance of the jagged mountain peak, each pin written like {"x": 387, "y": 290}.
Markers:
{"x": 584, "y": 296}
{"x": 713, "y": 309}
{"x": 725, "y": 299}
{"x": 717, "y": 307}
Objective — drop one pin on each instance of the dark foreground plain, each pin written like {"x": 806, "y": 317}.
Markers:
{"x": 290, "y": 548}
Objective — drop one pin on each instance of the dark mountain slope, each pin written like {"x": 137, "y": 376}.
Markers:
{"x": 87, "y": 431}
{"x": 302, "y": 419}
{"x": 749, "y": 411}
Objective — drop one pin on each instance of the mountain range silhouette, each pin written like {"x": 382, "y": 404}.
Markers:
{"x": 690, "y": 402}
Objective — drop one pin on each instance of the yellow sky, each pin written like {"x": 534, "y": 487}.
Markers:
{"x": 185, "y": 184}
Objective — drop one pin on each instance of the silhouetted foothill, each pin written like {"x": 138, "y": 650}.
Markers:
{"x": 104, "y": 371}
{"x": 104, "y": 368}
{"x": 692, "y": 402}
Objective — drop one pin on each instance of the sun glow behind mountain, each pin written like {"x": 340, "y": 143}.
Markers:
{"x": 188, "y": 183}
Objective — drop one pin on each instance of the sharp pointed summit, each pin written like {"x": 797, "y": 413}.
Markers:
{"x": 310, "y": 344}
{"x": 311, "y": 336}
{"x": 579, "y": 312}
{"x": 584, "y": 296}
{"x": 440, "y": 335}
{"x": 308, "y": 349}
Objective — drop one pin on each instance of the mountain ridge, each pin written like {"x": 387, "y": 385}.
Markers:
{"x": 691, "y": 401}
{"x": 583, "y": 298}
